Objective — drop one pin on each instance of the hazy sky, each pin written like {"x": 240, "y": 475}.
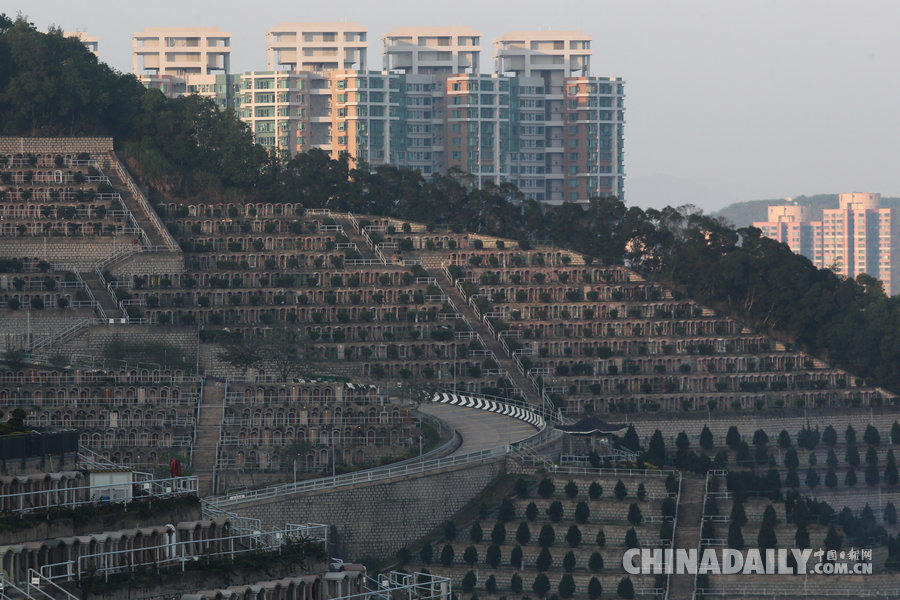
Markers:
{"x": 741, "y": 99}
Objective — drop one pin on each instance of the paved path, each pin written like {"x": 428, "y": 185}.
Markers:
{"x": 479, "y": 429}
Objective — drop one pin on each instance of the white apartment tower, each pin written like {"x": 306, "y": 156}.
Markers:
{"x": 438, "y": 51}
{"x": 317, "y": 47}
{"x": 181, "y": 59}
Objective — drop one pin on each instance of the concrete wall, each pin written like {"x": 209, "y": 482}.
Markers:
{"x": 93, "y": 339}
{"x": 148, "y": 263}
{"x": 376, "y": 520}
{"x": 84, "y": 252}
{"x": 92, "y": 145}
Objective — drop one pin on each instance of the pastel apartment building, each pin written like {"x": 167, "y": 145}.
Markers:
{"x": 90, "y": 42}
{"x": 181, "y": 60}
{"x": 317, "y": 47}
{"x": 860, "y": 236}
{"x": 540, "y": 121}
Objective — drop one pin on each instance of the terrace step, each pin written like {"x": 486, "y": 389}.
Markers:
{"x": 687, "y": 531}
{"x": 102, "y": 296}
{"x": 206, "y": 442}
{"x": 505, "y": 361}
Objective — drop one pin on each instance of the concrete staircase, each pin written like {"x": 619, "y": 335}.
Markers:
{"x": 365, "y": 251}
{"x": 503, "y": 359}
{"x": 206, "y": 441}
{"x": 687, "y": 532}
{"x": 102, "y": 296}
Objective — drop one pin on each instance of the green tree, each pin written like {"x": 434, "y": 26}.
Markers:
{"x": 490, "y": 585}
{"x": 475, "y": 533}
{"x": 498, "y": 534}
{"x": 595, "y": 491}
{"x": 634, "y": 514}
{"x": 738, "y": 515}
{"x": 546, "y": 488}
{"x": 850, "y": 477}
{"x": 625, "y": 589}
{"x": 801, "y": 538}
{"x": 541, "y": 585}
{"x": 620, "y": 491}
{"x": 546, "y": 537}
{"x": 656, "y": 449}
{"x": 573, "y": 536}
{"x": 469, "y": 581}
{"x": 555, "y": 511}
{"x": 641, "y": 492}
{"x": 595, "y": 590}
{"x": 733, "y": 438}
{"x": 784, "y": 440}
{"x": 735, "y": 537}
{"x": 426, "y": 554}
{"x": 569, "y": 561}
{"x": 829, "y": 436}
{"x": 766, "y": 537}
{"x": 531, "y": 511}
{"x": 492, "y": 556}
{"x": 447, "y": 555}
{"x": 890, "y": 514}
{"x": 571, "y": 489}
{"x": 515, "y": 557}
{"x": 470, "y": 556}
{"x": 600, "y": 540}
{"x": 515, "y": 583}
{"x": 631, "y": 540}
{"x": 566, "y": 586}
{"x": 831, "y": 478}
{"x": 523, "y": 533}
{"x": 706, "y": 438}
{"x": 871, "y": 436}
{"x": 583, "y": 513}
{"x": 890, "y": 468}
{"x": 595, "y": 562}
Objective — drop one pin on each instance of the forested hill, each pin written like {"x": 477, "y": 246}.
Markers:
{"x": 186, "y": 147}
{"x": 744, "y": 214}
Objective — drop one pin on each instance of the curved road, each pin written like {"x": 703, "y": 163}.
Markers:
{"x": 480, "y": 429}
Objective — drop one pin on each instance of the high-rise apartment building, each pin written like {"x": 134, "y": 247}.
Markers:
{"x": 90, "y": 42}
{"x": 317, "y": 47}
{"x": 181, "y": 60}
{"x": 792, "y": 224}
{"x": 438, "y": 51}
{"x": 541, "y": 121}
{"x": 858, "y": 237}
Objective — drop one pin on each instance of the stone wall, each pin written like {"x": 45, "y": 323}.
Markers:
{"x": 64, "y": 145}
{"x": 148, "y": 263}
{"x": 81, "y": 252}
{"x": 15, "y": 325}
{"x": 375, "y": 520}
{"x": 93, "y": 339}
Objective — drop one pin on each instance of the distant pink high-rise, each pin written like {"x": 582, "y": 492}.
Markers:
{"x": 857, "y": 237}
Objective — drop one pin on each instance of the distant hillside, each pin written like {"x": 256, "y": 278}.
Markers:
{"x": 741, "y": 214}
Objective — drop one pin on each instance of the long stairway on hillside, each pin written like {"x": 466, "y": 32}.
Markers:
{"x": 365, "y": 251}
{"x": 687, "y": 531}
{"x": 206, "y": 442}
{"x": 102, "y": 296}
{"x": 503, "y": 359}
{"x": 150, "y": 225}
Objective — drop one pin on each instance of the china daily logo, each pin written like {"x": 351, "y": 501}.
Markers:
{"x": 727, "y": 561}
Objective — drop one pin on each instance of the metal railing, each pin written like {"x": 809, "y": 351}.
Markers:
{"x": 182, "y": 551}
{"x": 368, "y": 476}
{"x": 22, "y": 502}
{"x": 411, "y": 586}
